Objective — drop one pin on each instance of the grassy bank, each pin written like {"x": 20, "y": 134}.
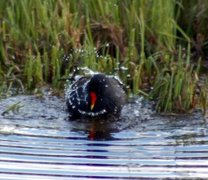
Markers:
{"x": 158, "y": 48}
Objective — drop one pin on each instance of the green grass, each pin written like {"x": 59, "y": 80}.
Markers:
{"x": 154, "y": 46}
{"x": 14, "y": 108}
{"x": 176, "y": 83}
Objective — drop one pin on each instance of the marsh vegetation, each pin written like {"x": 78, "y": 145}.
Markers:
{"x": 158, "y": 48}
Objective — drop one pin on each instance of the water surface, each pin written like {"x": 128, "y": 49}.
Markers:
{"x": 39, "y": 141}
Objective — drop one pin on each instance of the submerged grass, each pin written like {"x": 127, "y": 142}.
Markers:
{"x": 13, "y": 108}
{"x": 154, "y": 46}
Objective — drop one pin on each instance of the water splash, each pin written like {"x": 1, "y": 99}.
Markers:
{"x": 141, "y": 144}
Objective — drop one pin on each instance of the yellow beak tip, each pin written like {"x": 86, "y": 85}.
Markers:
{"x": 92, "y": 106}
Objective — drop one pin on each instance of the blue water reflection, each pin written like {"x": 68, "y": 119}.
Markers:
{"x": 39, "y": 141}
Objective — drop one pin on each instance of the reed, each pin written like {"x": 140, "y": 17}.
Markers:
{"x": 176, "y": 84}
{"x": 204, "y": 97}
{"x": 154, "y": 46}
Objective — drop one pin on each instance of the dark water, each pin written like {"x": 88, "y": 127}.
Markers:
{"x": 38, "y": 141}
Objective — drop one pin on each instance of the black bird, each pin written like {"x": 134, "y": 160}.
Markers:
{"x": 95, "y": 96}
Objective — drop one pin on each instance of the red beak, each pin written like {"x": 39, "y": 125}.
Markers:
{"x": 93, "y": 99}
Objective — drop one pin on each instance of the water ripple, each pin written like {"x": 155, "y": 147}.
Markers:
{"x": 40, "y": 142}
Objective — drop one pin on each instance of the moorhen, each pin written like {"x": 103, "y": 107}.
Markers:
{"x": 96, "y": 96}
